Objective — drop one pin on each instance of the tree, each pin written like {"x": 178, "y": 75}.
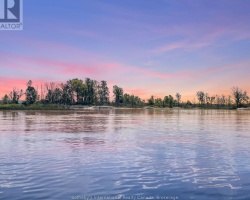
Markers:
{"x": 131, "y": 100}
{"x": 138, "y": 101}
{"x": 229, "y": 101}
{"x": 171, "y": 101}
{"x": 178, "y": 98}
{"x": 15, "y": 95}
{"x": 168, "y": 101}
{"x": 57, "y": 96}
{"x": 90, "y": 96}
{"x": 103, "y": 92}
{"x": 31, "y": 94}
{"x": 151, "y": 101}
{"x": 49, "y": 90}
{"x": 240, "y": 97}
{"x": 201, "y": 97}
{"x": 223, "y": 100}
{"x": 158, "y": 102}
{"x": 207, "y": 98}
{"x": 78, "y": 88}
{"x": 212, "y": 99}
{"x": 126, "y": 99}
{"x": 67, "y": 93}
{"x": 189, "y": 103}
{"x": 6, "y": 99}
{"x": 218, "y": 101}
{"x": 118, "y": 94}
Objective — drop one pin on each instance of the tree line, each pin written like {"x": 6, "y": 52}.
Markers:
{"x": 237, "y": 99}
{"x": 73, "y": 92}
{"x": 91, "y": 92}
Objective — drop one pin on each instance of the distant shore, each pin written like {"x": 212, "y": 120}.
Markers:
{"x": 32, "y": 107}
{"x": 87, "y": 107}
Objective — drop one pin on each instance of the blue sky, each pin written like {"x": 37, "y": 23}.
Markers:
{"x": 147, "y": 47}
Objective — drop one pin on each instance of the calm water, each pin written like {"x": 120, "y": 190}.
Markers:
{"x": 184, "y": 154}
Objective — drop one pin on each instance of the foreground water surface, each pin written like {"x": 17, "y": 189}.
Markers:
{"x": 125, "y": 153}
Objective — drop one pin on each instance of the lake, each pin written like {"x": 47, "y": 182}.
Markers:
{"x": 125, "y": 154}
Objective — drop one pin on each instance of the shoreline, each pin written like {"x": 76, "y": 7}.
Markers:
{"x": 52, "y": 107}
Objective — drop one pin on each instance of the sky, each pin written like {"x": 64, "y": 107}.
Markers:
{"x": 147, "y": 47}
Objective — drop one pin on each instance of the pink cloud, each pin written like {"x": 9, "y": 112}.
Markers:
{"x": 187, "y": 46}
{"x": 17, "y": 62}
{"x": 45, "y": 65}
{"x": 135, "y": 80}
{"x": 96, "y": 69}
{"x": 220, "y": 68}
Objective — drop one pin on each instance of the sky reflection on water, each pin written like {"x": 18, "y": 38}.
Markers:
{"x": 192, "y": 154}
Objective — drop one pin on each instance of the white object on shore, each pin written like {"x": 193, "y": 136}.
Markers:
{"x": 248, "y": 108}
{"x": 81, "y": 107}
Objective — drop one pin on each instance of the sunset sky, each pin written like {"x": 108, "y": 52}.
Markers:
{"x": 147, "y": 47}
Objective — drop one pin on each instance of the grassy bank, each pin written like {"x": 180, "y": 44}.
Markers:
{"x": 39, "y": 106}
{"x": 32, "y": 107}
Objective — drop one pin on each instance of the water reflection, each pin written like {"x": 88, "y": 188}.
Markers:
{"x": 64, "y": 121}
{"x": 85, "y": 141}
{"x": 10, "y": 115}
{"x": 193, "y": 154}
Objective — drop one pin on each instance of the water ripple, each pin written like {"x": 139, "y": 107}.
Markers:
{"x": 191, "y": 154}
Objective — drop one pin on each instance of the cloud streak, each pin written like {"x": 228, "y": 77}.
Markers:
{"x": 183, "y": 45}
{"x": 112, "y": 72}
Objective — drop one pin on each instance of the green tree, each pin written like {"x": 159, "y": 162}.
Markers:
{"x": 138, "y": 101}
{"x": 15, "y": 95}
{"x": 90, "y": 96}
{"x": 118, "y": 95}
{"x": 168, "y": 101}
{"x": 178, "y": 98}
{"x": 6, "y": 99}
{"x": 78, "y": 88}
{"x": 223, "y": 100}
{"x": 171, "y": 101}
{"x": 132, "y": 100}
{"x": 158, "y": 102}
{"x": 103, "y": 92}
{"x": 201, "y": 97}
{"x": 207, "y": 99}
{"x": 50, "y": 96}
{"x": 151, "y": 101}
{"x": 229, "y": 101}
{"x": 240, "y": 97}
{"x": 49, "y": 89}
{"x": 67, "y": 93}
{"x": 31, "y": 94}
{"x": 189, "y": 103}
{"x": 57, "y": 96}
{"x": 212, "y": 100}
{"x": 126, "y": 99}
